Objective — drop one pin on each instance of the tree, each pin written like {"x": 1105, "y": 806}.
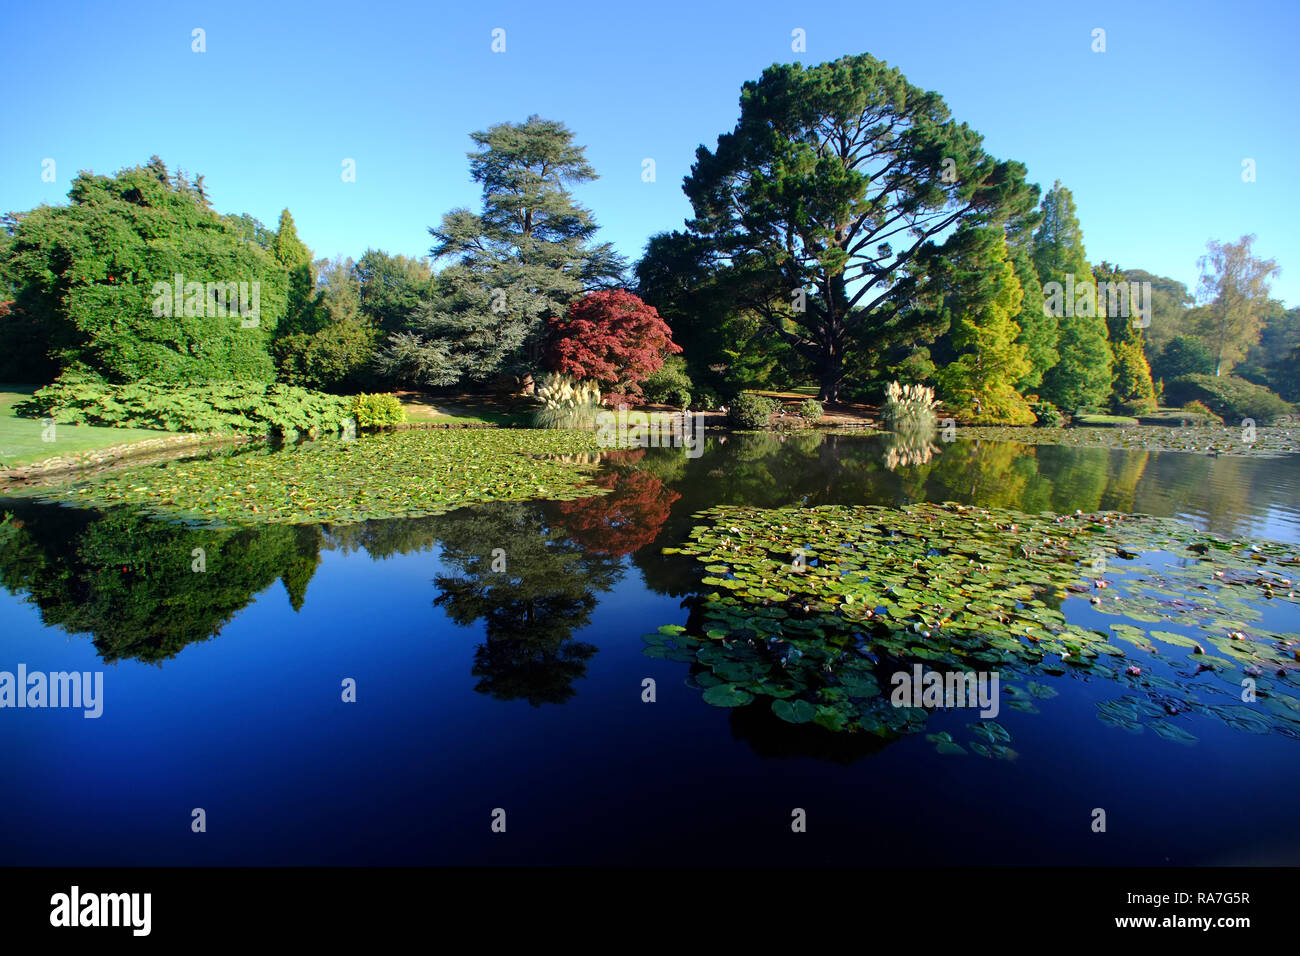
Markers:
{"x": 336, "y": 341}
{"x": 726, "y": 346}
{"x": 293, "y": 254}
{"x": 1132, "y": 389}
{"x": 516, "y": 264}
{"x": 1170, "y": 301}
{"x": 393, "y": 288}
{"x": 612, "y": 338}
{"x": 1082, "y": 374}
{"x": 1039, "y": 330}
{"x": 95, "y": 286}
{"x": 830, "y": 197}
{"x": 1234, "y": 286}
{"x": 1183, "y": 356}
{"x": 981, "y": 382}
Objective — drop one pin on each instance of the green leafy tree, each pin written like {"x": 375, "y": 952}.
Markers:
{"x": 1082, "y": 374}
{"x": 726, "y": 346}
{"x": 336, "y": 341}
{"x": 830, "y": 199}
{"x": 516, "y": 264}
{"x": 1234, "y": 287}
{"x": 1181, "y": 356}
{"x": 1170, "y": 302}
{"x": 393, "y": 289}
{"x": 94, "y": 286}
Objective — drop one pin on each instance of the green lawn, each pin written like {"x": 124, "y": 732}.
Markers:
{"x": 22, "y": 442}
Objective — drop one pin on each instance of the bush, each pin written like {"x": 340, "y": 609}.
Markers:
{"x": 1048, "y": 415}
{"x": 750, "y": 411}
{"x": 1229, "y": 397}
{"x": 377, "y": 411}
{"x": 1200, "y": 410}
{"x": 222, "y": 407}
{"x": 707, "y": 399}
{"x": 326, "y": 360}
{"x": 671, "y": 385}
{"x": 1136, "y": 407}
{"x": 811, "y": 410}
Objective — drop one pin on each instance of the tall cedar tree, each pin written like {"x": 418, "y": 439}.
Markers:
{"x": 612, "y": 338}
{"x": 516, "y": 265}
{"x": 836, "y": 188}
{"x": 1082, "y": 374}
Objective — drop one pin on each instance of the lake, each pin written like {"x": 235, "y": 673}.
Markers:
{"x": 499, "y": 664}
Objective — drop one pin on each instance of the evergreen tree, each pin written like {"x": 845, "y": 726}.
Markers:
{"x": 981, "y": 381}
{"x": 1082, "y": 374}
{"x": 518, "y": 263}
{"x": 293, "y": 254}
{"x": 1039, "y": 330}
{"x": 837, "y": 191}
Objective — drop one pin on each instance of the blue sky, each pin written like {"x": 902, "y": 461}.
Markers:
{"x": 1149, "y": 135}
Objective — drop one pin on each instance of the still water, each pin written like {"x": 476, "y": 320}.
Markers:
{"x": 480, "y": 689}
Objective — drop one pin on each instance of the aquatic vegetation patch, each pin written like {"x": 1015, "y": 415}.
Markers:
{"x": 393, "y": 475}
{"x": 1265, "y": 442}
{"x": 815, "y": 608}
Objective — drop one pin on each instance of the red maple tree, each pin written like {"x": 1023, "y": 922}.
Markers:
{"x": 613, "y": 338}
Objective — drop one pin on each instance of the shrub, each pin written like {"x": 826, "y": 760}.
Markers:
{"x": 1229, "y": 397}
{"x": 222, "y": 407}
{"x": 707, "y": 399}
{"x": 1200, "y": 410}
{"x": 670, "y": 385}
{"x": 750, "y": 411}
{"x": 377, "y": 411}
{"x": 327, "y": 359}
{"x": 811, "y": 410}
{"x": 566, "y": 403}
{"x": 1048, "y": 415}
{"x": 1136, "y": 407}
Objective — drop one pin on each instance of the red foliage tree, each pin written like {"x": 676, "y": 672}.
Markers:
{"x": 612, "y": 338}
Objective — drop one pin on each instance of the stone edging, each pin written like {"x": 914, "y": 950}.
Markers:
{"x": 95, "y": 457}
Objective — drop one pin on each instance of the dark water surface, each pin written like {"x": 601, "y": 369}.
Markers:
{"x": 479, "y": 689}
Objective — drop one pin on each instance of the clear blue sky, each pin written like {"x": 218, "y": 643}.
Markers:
{"x": 1149, "y": 135}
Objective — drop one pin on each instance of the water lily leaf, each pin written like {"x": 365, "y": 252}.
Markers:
{"x": 727, "y": 695}
{"x": 794, "y": 711}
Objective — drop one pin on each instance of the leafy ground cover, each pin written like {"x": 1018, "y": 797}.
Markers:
{"x": 395, "y": 474}
{"x": 1265, "y": 442}
{"x": 813, "y": 609}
